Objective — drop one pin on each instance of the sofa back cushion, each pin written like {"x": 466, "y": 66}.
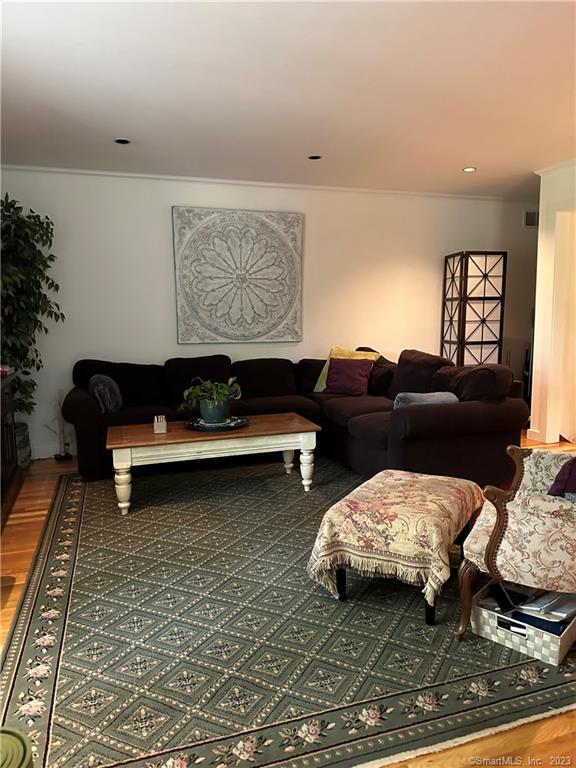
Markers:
{"x": 306, "y": 373}
{"x": 481, "y": 382}
{"x": 381, "y": 374}
{"x": 139, "y": 384}
{"x": 265, "y": 377}
{"x": 381, "y": 377}
{"x": 415, "y": 371}
{"x": 443, "y": 376}
{"x": 179, "y": 372}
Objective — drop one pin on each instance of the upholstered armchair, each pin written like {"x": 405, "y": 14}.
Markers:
{"x": 522, "y": 535}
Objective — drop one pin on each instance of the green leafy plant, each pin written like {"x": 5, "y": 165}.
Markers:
{"x": 26, "y": 303}
{"x": 210, "y": 391}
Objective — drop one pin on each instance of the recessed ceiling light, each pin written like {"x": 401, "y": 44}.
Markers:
{"x": 469, "y": 169}
{"x": 122, "y": 141}
{"x": 314, "y": 157}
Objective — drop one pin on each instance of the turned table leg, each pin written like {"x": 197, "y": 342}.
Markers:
{"x": 466, "y": 575}
{"x": 123, "y": 482}
{"x": 288, "y": 457}
{"x": 122, "y": 461}
{"x": 306, "y": 467}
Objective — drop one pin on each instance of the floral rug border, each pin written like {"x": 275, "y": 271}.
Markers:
{"x": 344, "y": 736}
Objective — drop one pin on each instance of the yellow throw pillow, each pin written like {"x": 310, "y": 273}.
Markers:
{"x": 340, "y": 352}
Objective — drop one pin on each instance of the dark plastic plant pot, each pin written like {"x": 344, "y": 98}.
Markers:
{"x": 214, "y": 411}
{"x": 23, "y": 448}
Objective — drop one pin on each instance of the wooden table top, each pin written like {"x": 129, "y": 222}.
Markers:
{"x": 134, "y": 435}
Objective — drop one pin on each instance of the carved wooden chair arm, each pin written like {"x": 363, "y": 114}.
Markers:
{"x": 499, "y": 499}
{"x": 497, "y": 496}
{"x": 517, "y": 455}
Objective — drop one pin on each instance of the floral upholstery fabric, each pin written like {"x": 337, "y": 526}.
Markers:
{"x": 397, "y": 524}
{"x": 538, "y": 548}
{"x": 541, "y": 468}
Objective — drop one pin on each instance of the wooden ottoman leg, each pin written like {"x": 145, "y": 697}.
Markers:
{"x": 429, "y": 613}
{"x": 341, "y": 583}
{"x": 466, "y": 575}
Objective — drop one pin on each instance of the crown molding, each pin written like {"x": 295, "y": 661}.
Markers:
{"x": 565, "y": 165}
{"x": 265, "y": 184}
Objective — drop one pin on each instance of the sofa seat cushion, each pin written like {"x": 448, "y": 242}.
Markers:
{"x": 372, "y": 428}
{"x": 139, "y": 383}
{"x": 340, "y": 410}
{"x": 140, "y": 414}
{"x": 280, "y": 404}
{"x": 179, "y": 372}
{"x": 265, "y": 377}
{"x": 415, "y": 371}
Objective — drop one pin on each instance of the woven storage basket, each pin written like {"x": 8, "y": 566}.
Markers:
{"x": 526, "y": 639}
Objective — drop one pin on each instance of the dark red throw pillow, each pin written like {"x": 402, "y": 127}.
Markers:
{"x": 565, "y": 481}
{"x": 348, "y": 377}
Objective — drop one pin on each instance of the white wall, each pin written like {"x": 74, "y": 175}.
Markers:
{"x": 373, "y": 265}
{"x": 565, "y": 315}
{"x": 553, "y": 393}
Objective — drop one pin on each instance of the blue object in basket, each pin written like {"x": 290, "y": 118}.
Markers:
{"x": 552, "y": 627}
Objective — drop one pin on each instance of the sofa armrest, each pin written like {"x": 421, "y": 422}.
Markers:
{"x": 471, "y": 417}
{"x": 516, "y": 389}
{"x": 80, "y": 408}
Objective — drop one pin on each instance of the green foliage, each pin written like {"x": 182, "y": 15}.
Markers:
{"x": 211, "y": 391}
{"x": 26, "y": 304}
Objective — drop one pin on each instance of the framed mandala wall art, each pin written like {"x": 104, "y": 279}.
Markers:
{"x": 238, "y": 275}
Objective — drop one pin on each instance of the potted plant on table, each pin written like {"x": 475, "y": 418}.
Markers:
{"x": 212, "y": 397}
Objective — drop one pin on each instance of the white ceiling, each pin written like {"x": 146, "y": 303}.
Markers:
{"x": 394, "y": 95}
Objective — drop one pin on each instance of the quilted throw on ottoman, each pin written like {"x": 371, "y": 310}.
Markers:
{"x": 397, "y": 524}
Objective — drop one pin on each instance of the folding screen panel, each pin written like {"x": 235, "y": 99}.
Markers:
{"x": 473, "y": 307}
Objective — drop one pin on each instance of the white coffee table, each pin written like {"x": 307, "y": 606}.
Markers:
{"x": 135, "y": 445}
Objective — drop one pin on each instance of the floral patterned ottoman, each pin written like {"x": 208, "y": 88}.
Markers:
{"x": 397, "y": 524}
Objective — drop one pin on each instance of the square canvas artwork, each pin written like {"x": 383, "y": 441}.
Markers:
{"x": 238, "y": 275}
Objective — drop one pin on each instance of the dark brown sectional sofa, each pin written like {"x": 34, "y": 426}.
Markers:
{"x": 463, "y": 439}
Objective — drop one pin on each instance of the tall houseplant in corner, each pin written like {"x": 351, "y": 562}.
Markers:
{"x": 26, "y": 291}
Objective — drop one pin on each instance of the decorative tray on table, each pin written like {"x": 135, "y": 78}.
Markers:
{"x": 199, "y": 425}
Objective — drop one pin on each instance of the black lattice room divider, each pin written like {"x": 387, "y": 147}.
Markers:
{"x": 473, "y": 306}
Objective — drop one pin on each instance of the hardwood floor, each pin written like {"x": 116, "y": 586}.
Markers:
{"x": 22, "y": 531}
{"x": 545, "y": 742}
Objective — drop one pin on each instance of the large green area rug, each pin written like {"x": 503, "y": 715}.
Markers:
{"x": 188, "y": 633}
